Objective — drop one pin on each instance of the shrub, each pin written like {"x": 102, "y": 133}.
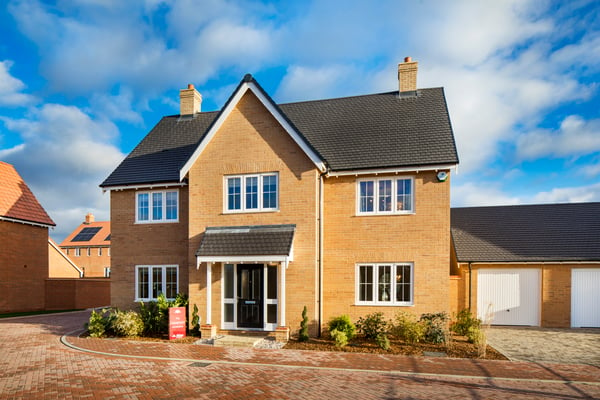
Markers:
{"x": 436, "y": 327}
{"x": 97, "y": 324}
{"x": 407, "y": 328}
{"x": 303, "y": 334}
{"x": 127, "y": 323}
{"x": 343, "y": 324}
{"x": 155, "y": 314}
{"x": 195, "y": 322}
{"x": 340, "y": 338}
{"x": 383, "y": 341}
{"x": 372, "y": 325}
{"x": 464, "y": 322}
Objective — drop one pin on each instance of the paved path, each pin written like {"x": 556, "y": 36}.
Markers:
{"x": 35, "y": 363}
{"x": 573, "y": 346}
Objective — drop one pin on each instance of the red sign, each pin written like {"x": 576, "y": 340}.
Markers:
{"x": 176, "y": 322}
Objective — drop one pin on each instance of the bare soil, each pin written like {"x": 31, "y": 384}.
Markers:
{"x": 458, "y": 347}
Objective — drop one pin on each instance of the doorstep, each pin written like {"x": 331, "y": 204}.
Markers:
{"x": 238, "y": 341}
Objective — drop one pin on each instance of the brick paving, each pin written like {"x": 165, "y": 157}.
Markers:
{"x": 35, "y": 364}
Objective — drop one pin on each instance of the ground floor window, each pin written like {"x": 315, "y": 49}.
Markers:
{"x": 152, "y": 280}
{"x": 384, "y": 284}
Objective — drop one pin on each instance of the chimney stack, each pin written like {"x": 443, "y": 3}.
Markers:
{"x": 89, "y": 218}
{"x": 407, "y": 75}
{"x": 189, "y": 101}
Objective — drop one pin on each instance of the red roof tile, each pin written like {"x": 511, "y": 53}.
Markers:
{"x": 99, "y": 239}
{"x": 16, "y": 199}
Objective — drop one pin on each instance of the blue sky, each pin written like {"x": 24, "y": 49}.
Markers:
{"x": 82, "y": 82}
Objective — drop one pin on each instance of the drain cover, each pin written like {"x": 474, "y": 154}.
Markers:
{"x": 199, "y": 364}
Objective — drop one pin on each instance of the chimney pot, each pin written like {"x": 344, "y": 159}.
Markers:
{"x": 407, "y": 59}
{"x": 190, "y": 100}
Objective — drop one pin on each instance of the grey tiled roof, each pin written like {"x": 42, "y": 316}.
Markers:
{"x": 247, "y": 240}
{"x": 546, "y": 232}
{"x": 372, "y": 131}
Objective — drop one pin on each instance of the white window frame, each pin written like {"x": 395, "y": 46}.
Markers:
{"x": 394, "y": 210}
{"x": 77, "y": 251}
{"x": 154, "y": 296}
{"x": 107, "y": 273}
{"x": 89, "y": 251}
{"x": 99, "y": 251}
{"x": 376, "y": 301}
{"x": 150, "y": 219}
{"x": 243, "y": 207}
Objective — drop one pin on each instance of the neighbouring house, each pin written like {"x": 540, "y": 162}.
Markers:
{"x": 88, "y": 246}
{"x": 24, "y": 251}
{"x": 60, "y": 265}
{"x": 257, "y": 210}
{"x": 530, "y": 264}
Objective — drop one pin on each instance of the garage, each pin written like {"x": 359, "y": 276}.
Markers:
{"x": 585, "y": 297}
{"x": 510, "y": 296}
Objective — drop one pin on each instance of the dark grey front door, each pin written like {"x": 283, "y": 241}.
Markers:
{"x": 250, "y": 296}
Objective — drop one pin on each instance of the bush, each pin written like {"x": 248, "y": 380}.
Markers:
{"x": 343, "y": 324}
{"x": 97, "y": 324}
{"x": 195, "y": 331}
{"x": 436, "y": 327}
{"x": 407, "y": 328}
{"x": 155, "y": 314}
{"x": 127, "y": 323}
{"x": 372, "y": 325}
{"x": 340, "y": 338}
{"x": 383, "y": 341}
{"x": 303, "y": 334}
{"x": 464, "y": 322}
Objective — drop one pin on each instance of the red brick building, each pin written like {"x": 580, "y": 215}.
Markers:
{"x": 88, "y": 246}
{"x": 24, "y": 244}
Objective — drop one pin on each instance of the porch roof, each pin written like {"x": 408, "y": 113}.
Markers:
{"x": 247, "y": 243}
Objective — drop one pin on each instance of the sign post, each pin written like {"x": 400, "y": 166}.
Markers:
{"x": 176, "y": 323}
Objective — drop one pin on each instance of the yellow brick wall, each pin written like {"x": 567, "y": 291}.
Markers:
{"x": 92, "y": 265}
{"x": 422, "y": 238}
{"x": 143, "y": 244}
{"x": 252, "y": 141}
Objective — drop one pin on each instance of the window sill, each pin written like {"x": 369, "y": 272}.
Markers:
{"x": 384, "y": 304}
{"x": 226, "y": 212}
{"x": 384, "y": 214}
{"x": 156, "y": 222}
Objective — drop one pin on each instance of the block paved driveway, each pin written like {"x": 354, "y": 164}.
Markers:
{"x": 41, "y": 357}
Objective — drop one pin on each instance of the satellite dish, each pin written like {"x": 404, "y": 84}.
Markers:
{"x": 442, "y": 176}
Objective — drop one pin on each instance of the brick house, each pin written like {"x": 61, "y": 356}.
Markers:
{"x": 88, "y": 246}
{"x": 257, "y": 210}
{"x": 24, "y": 251}
{"x": 59, "y": 264}
{"x": 530, "y": 264}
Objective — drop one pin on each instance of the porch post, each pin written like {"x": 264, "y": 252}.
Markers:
{"x": 282, "y": 268}
{"x": 208, "y": 293}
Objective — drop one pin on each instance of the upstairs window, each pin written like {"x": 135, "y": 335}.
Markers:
{"x": 385, "y": 196}
{"x": 251, "y": 193}
{"x": 160, "y": 206}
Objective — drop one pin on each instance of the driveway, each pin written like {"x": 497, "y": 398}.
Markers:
{"x": 42, "y": 357}
{"x": 572, "y": 346}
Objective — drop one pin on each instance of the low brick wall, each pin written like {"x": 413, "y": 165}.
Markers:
{"x": 72, "y": 293}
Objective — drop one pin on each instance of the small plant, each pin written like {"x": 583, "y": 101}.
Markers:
{"x": 340, "y": 338}
{"x": 382, "y": 341}
{"x": 97, "y": 324}
{"x": 155, "y": 314}
{"x": 436, "y": 327}
{"x": 303, "y": 334}
{"x": 127, "y": 323}
{"x": 195, "y": 322}
{"x": 372, "y": 325}
{"x": 407, "y": 328}
{"x": 464, "y": 322}
{"x": 343, "y": 324}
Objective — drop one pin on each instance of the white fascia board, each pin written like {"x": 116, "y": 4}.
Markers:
{"x": 392, "y": 170}
{"x": 500, "y": 263}
{"x": 19, "y": 221}
{"x": 66, "y": 258}
{"x": 243, "y": 259}
{"x": 225, "y": 114}
{"x": 144, "y": 186}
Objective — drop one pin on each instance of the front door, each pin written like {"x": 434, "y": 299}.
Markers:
{"x": 250, "y": 296}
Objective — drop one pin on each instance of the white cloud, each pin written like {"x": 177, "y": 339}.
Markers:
{"x": 574, "y": 137}
{"x": 117, "y": 107}
{"x": 64, "y": 157}
{"x": 474, "y": 194}
{"x": 11, "y": 88}
{"x": 569, "y": 195}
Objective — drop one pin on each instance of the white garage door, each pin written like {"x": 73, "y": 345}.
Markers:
{"x": 585, "y": 297}
{"x": 509, "y": 296}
